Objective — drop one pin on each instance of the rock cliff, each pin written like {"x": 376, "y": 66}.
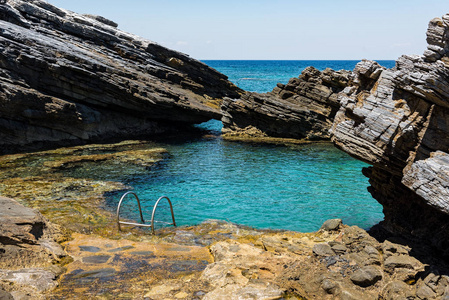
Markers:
{"x": 302, "y": 109}
{"x": 394, "y": 119}
{"x": 397, "y": 120}
{"x": 67, "y": 78}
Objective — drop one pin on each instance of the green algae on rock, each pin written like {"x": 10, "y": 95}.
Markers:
{"x": 68, "y": 185}
{"x": 131, "y": 269}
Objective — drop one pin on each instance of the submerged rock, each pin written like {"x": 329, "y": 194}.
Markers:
{"x": 71, "y": 78}
{"x": 68, "y": 185}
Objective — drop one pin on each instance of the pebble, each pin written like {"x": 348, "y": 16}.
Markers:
{"x": 181, "y": 295}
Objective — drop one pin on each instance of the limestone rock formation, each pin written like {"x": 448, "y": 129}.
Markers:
{"x": 29, "y": 252}
{"x": 66, "y": 78}
{"x": 397, "y": 121}
{"x": 302, "y": 109}
{"x": 394, "y": 119}
{"x": 220, "y": 260}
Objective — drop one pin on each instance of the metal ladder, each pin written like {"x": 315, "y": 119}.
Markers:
{"x": 141, "y": 216}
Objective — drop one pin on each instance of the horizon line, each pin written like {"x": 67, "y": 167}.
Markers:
{"x": 239, "y": 59}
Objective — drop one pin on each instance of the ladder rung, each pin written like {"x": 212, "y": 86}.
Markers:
{"x": 135, "y": 224}
{"x": 141, "y": 216}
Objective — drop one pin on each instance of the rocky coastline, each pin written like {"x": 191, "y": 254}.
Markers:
{"x": 67, "y": 79}
{"x": 302, "y": 109}
{"x": 71, "y": 79}
{"x": 393, "y": 119}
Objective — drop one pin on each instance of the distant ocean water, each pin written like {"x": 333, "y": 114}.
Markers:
{"x": 262, "y": 75}
{"x": 263, "y": 186}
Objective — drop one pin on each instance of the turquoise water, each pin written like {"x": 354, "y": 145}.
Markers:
{"x": 263, "y": 186}
{"x": 263, "y": 75}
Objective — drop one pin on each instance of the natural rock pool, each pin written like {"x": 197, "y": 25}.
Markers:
{"x": 293, "y": 187}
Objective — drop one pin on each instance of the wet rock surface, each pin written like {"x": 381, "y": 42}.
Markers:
{"x": 68, "y": 185}
{"x": 69, "y": 78}
{"x": 223, "y": 260}
{"x": 132, "y": 270}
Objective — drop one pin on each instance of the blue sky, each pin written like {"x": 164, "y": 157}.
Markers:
{"x": 276, "y": 29}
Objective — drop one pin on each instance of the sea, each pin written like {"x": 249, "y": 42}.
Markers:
{"x": 294, "y": 187}
{"x": 262, "y": 75}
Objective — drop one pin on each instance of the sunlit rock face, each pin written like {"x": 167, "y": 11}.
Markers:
{"x": 394, "y": 119}
{"x": 398, "y": 121}
{"x": 66, "y": 78}
{"x": 302, "y": 109}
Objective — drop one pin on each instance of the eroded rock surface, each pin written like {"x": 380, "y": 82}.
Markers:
{"x": 220, "y": 260}
{"x": 66, "y": 77}
{"x": 30, "y": 256}
{"x": 302, "y": 109}
{"x": 394, "y": 119}
{"x": 217, "y": 260}
{"x": 397, "y": 120}
{"x": 128, "y": 269}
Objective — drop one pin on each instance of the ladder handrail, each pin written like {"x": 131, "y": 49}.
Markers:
{"x": 154, "y": 211}
{"x": 140, "y": 211}
{"x": 120, "y": 203}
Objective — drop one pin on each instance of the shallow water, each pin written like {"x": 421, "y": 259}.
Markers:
{"x": 263, "y": 186}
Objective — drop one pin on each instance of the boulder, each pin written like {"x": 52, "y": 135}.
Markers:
{"x": 403, "y": 261}
{"x": 332, "y": 224}
{"x": 366, "y": 276}
{"x": 323, "y": 249}
{"x": 19, "y": 224}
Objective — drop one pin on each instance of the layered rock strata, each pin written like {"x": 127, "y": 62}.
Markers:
{"x": 394, "y": 119}
{"x": 66, "y": 77}
{"x": 302, "y": 109}
{"x": 397, "y": 121}
{"x": 29, "y": 252}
